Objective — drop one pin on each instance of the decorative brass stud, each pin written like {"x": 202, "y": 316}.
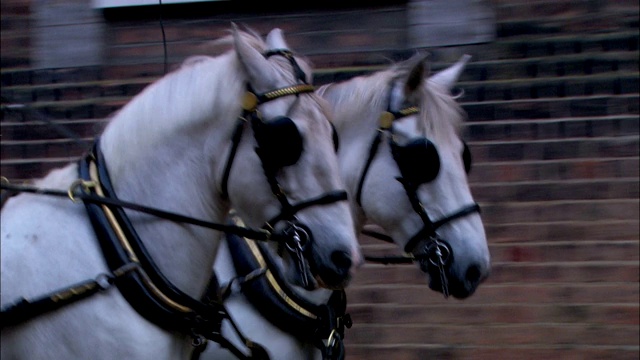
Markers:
{"x": 386, "y": 119}
{"x": 249, "y": 101}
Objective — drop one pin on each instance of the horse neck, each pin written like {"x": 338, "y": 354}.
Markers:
{"x": 160, "y": 151}
{"x": 357, "y": 105}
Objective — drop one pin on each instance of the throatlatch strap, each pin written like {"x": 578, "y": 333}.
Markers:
{"x": 235, "y": 142}
{"x": 372, "y": 152}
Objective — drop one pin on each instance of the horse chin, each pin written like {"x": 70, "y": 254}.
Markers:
{"x": 455, "y": 288}
{"x": 337, "y": 286}
{"x": 296, "y": 278}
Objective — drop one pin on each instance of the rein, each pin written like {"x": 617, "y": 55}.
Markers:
{"x": 131, "y": 267}
{"x": 79, "y": 190}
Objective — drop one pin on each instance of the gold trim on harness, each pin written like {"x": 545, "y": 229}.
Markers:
{"x": 93, "y": 171}
{"x": 273, "y": 283}
{"x": 289, "y": 90}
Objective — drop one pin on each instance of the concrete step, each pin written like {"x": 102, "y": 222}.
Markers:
{"x": 547, "y": 293}
{"x": 586, "y": 63}
{"x": 516, "y": 334}
{"x": 558, "y": 128}
{"x": 58, "y": 129}
{"x": 555, "y": 149}
{"x": 610, "y": 226}
{"x": 552, "y": 107}
{"x": 40, "y": 127}
{"x": 552, "y": 190}
{"x": 554, "y": 170}
{"x": 626, "y": 146}
{"x": 521, "y": 86}
{"x": 541, "y": 108}
{"x": 507, "y": 273}
{"x": 49, "y": 148}
{"x": 553, "y": 17}
{"x": 490, "y": 351}
{"x": 535, "y": 46}
{"x": 527, "y": 252}
{"x": 81, "y": 90}
{"x": 568, "y": 86}
{"x": 505, "y": 213}
{"x": 24, "y": 170}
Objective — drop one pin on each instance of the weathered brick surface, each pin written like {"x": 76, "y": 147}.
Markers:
{"x": 553, "y": 127}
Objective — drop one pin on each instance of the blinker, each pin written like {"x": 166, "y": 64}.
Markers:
{"x": 418, "y": 160}
{"x": 279, "y": 141}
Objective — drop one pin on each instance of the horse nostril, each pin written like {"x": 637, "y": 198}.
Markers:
{"x": 341, "y": 260}
{"x": 473, "y": 274}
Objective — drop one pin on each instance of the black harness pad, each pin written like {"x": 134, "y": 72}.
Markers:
{"x": 268, "y": 297}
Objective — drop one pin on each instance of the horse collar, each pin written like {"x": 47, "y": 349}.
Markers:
{"x": 146, "y": 289}
{"x": 273, "y": 296}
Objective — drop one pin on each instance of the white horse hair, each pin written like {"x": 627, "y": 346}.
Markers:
{"x": 167, "y": 148}
{"x": 357, "y": 105}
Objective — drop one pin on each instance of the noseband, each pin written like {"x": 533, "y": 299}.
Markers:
{"x": 435, "y": 250}
{"x": 273, "y": 160}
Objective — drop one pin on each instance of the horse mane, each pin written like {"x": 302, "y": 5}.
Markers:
{"x": 441, "y": 117}
{"x": 191, "y": 92}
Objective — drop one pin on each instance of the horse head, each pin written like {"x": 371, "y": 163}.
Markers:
{"x": 406, "y": 167}
{"x": 286, "y": 175}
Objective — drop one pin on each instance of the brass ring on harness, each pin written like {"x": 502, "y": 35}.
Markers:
{"x": 4, "y": 180}
{"x": 331, "y": 340}
{"x": 79, "y": 183}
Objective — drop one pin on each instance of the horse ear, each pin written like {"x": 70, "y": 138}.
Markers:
{"x": 261, "y": 73}
{"x": 405, "y": 87}
{"x": 275, "y": 40}
{"x": 448, "y": 77}
{"x": 417, "y": 73}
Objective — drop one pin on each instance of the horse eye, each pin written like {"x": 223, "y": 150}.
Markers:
{"x": 466, "y": 157}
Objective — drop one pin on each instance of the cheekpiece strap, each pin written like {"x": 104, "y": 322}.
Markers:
{"x": 289, "y": 56}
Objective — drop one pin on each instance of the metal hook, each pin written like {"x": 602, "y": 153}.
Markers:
{"x": 84, "y": 185}
{"x": 331, "y": 340}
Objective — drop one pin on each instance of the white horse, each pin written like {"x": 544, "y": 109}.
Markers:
{"x": 171, "y": 147}
{"x": 371, "y": 175}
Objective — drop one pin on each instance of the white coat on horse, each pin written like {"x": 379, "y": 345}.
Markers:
{"x": 378, "y": 197}
{"x": 169, "y": 148}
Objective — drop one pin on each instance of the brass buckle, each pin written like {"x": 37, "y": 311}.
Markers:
{"x": 83, "y": 185}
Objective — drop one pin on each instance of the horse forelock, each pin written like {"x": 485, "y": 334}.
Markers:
{"x": 441, "y": 116}
{"x": 369, "y": 91}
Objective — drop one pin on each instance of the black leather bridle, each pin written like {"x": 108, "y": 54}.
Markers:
{"x": 298, "y": 240}
{"x": 425, "y": 246}
{"x": 166, "y": 305}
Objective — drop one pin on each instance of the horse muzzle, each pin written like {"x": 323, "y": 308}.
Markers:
{"x": 330, "y": 270}
{"x": 439, "y": 263}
